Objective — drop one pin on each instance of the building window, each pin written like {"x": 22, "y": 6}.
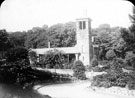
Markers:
{"x": 84, "y": 25}
{"x": 80, "y": 25}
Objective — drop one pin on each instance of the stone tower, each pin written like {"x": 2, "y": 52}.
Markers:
{"x": 84, "y": 43}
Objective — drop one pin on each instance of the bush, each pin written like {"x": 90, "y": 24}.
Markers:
{"x": 97, "y": 69}
{"x": 115, "y": 77}
{"x": 129, "y": 55}
{"x": 15, "y": 73}
{"x": 109, "y": 80}
{"x": 17, "y": 54}
{"x": 33, "y": 57}
{"x": 19, "y": 71}
{"x": 68, "y": 65}
{"x": 110, "y": 55}
{"x": 16, "y": 68}
{"x": 115, "y": 67}
{"x": 130, "y": 59}
{"x": 55, "y": 58}
{"x": 94, "y": 61}
{"x": 79, "y": 70}
{"x": 88, "y": 68}
{"x": 131, "y": 85}
{"x": 103, "y": 62}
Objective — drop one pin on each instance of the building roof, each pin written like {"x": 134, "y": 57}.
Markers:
{"x": 67, "y": 50}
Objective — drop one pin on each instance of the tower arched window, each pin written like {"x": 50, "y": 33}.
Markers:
{"x": 82, "y": 25}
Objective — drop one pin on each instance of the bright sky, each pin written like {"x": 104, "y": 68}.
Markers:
{"x": 19, "y": 15}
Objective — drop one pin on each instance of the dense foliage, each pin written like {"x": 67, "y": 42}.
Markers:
{"x": 4, "y": 43}
{"x": 16, "y": 67}
{"x": 108, "y": 80}
{"x": 17, "y": 39}
{"x": 53, "y": 59}
{"x": 115, "y": 72}
{"x": 130, "y": 59}
{"x": 128, "y": 36}
{"x": 107, "y": 38}
{"x": 17, "y": 54}
{"x": 115, "y": 76}
{"x": 24, "y": 76}
{"x": 110, "y": 55}
{"x": 79, "y": 70}
{"x": 17, "y": 70}
{"x": 14, "y": 91}
{"x": 59, "y": 35}
{"x": 4, "y": 40}
{"x": 33, "y": 57}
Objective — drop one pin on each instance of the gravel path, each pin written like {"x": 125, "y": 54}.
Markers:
{"x": 78, "y": 89}
{"x": 82, "y": 89}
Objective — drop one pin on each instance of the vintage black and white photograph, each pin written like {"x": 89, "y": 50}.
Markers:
{"x": 67, "y": 49}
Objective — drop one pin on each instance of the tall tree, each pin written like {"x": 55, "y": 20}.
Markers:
{"x": 128, "y": 35}
{"x": 18, "y": 39}
{"x": 62, "y": 35}
{"x": 36, "y": 38}
{"x": 4, "y": 42}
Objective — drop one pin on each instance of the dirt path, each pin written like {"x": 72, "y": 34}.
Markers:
{"x": 80, "y": 89}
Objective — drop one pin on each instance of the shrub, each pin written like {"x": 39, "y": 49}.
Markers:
{"x": 109, "y": 80}
{"x": 16, "y": 68}
{"x": 19, "y": 71}
{"x": 131, "y": 85}
{"x": 54, "y": 58}
{"x": 33, "y": 57}
{"x": 94, "y": 61}
{"x": 130, "y": 59}
{"x": 110, "y": 55}
{"x": 115, "y": 67}
{"x": 129, "y": 55}
{"x": 115, "y": 77}
{"x": 68, "y": 65}
{"x": 79, "y": 70}
{"x": 15, "y": 73}
{"x": 103, "y": 62}
{"x": 88, "y": 68}
{"x": 97, "y": 69}
{"x": 105, "y": 68}
{"x": 17, "y": 54}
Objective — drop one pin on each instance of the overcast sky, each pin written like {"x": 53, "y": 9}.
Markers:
{"x": 19, "y": 15}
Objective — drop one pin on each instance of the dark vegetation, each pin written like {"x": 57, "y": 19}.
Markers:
{"x": 53, "y": 59}
{"x": 110, "y": 55}
{"x": 114, "y": 76}
{"x": 17, "y": 70}
{"x": 59, "y": 35}
{"x": 79, "y": 70}
{"x": 14, "y": 91}
{"x": 120, "y": 68}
